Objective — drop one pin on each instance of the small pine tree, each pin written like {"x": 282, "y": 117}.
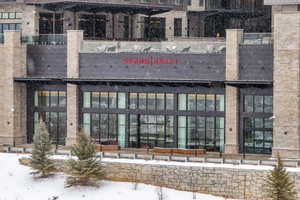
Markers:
{"x": 279, "y": 184}
{"x": 40, "y": 160}
{"x": 86, "y": 169}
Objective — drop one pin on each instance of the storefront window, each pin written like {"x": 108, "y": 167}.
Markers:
{"x": 121, "y": 130}
{"x": 182, "y": 101}
{"x": 160, "y": 101}
{"x": 191, "y": 101}
{"x": 210, "y": 102}
{"x": 182, "y": 132}
{"x": 45, "y": 98}
{"x": 104, "y": 100}
{"x": 86, "y": 99}
{"x": 169, "y": 101}
{"x": 220, "y": 104}
{"x": 121, "y": 100}
{"x": 112, "y": 99}
{"x": 201, "y": 102}
{"x": 142, "y": 101}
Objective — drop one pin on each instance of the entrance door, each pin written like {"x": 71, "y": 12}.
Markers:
{"x": 155, "y": 28}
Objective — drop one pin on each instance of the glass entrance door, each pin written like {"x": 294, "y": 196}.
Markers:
{"x": 148, "y": 131}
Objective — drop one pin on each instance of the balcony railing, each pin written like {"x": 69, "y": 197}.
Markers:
{"x": 258, "y": 38}
{"x": 45, "y": 39}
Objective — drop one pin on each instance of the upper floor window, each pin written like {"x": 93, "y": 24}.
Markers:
{"x": 104, "y": 100}
{"x": 258, "y": 104}
{"x": 151, "y": 101}
{"x": 46, "y": 98}
{"x": 9, "y": 26}
{"x": 11, "y": 15}
{"x": 201, "y": 102}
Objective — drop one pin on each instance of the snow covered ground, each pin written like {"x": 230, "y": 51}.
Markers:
{"x": 17, "y": 184}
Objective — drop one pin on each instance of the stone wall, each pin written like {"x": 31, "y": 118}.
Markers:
{"x": 228, "y": 182}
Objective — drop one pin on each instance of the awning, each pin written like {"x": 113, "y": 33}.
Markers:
{"x": 36, "y": 79}
{"x": 240, "y": 83}
{"x": 101, "y": 6}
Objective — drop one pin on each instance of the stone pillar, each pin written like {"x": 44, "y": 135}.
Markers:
{"x": 233, "y": 39}
{"x": 75, "y": 39}
{"x": 13, "y": 95}
{"x": 30, "y": 26}
{"x": 286, "y": 89}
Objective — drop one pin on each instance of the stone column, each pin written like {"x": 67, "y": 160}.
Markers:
{"x": 30, "y": 25}
{"x": 233, "y": 39}
{"x": 13, "y": 95}
{"x": 75, "y": 39}
{"x": 286, "y": 89}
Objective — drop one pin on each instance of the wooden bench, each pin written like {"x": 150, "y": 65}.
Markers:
{"x": 179, "y": 151}
{"x": 107, "y": 147}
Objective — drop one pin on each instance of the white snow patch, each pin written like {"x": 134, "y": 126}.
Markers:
{"x": 17, "y": 184}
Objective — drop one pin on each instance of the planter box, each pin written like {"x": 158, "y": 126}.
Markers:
{"x": 179, "y": 151}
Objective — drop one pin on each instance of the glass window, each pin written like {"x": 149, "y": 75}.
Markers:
{"x": 182, "y": 101}
{"x": 220, "y": 105}
{"x": 62, "y": 99}
{"x": 259, "y": 123}
{"x": 95, "y": 99}
{"x": 258, "y": 103}
{"x": 104, "y": 100}
{"x": 182, "y": 132}
{"x": 5, "y": 15}
{"x": 133, "y": 100}
{"x": 220, "y": 133}
{"x": 210, "y": 102}
{"x": 104, "y": 128}
{"x": 142, "y": 100}
{"x": 201, "y": 131}
{"x": 192, "y": 133}
{"x": 169, "y": 101}
{"x": 210, "y": 133}
{"x": 44, "y": 98}
{"x": 112, "y": 129}
{"x": 95, "y": 134}
{"x": 12, "y": 15}
{"x": 170, "y": 131}
{"x": 133, "y": 131}
{"x": 160, "y": 101}
{"x": 36, "y": 99}
{"x": 54, "y": 98}
{"x": 268, "y": 104}
{"x": 121, "y": 100}
{"x": 151, "y": 101}
{"x": 18, "y": 27}
{"x": 201, "y": 102}
{"x": 121, "y": 130}
{"x": 86, "y": 99}
{"x": 112, "y": 100}
{"x": 248, "y": 103}
{"x": 87, "y": 123}
{"x": 191, "y": 101}
{"x": 19, "y": 15}
{"x": 268, "y": 123}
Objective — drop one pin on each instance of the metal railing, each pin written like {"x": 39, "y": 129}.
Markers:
{"x": 45, "y": 39}
{"x": 170, "y": 157}
{"x": 258, "y": 38}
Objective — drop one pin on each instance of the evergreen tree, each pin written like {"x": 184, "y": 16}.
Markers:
{"x": 86, "y": 169}
{"x": 40, "y": 160}
{"x": 279, "y": 184}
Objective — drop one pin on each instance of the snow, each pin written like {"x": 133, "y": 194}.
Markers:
{"x": 17, "y": 184}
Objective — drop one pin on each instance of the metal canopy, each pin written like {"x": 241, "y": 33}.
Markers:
{"x": 241, "y": 83}
{"x": 98, "y": 6}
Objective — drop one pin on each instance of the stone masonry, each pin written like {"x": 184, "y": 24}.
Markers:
{"x": 234, "y": 38}
{"x": 286, "y": 133}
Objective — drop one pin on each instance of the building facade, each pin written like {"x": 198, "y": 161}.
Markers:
{"x": 238, "y": 95}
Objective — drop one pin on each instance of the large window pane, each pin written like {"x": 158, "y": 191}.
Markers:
{"x": 62, "y": 99}
{"x": 95, "y": 99}
{"x": 201, "y": 102}
{"x": 95, "y": 127}
{"x": 54, "y": 98}
{"x": 112, "y": 126}
{"x": 112, "y": 100}
{"x": 86, "y": 99}
{"x": 104, "y": 100}
{"x": 36, "y": 98}
{"x": 121, "y": 100}
{"x": 142, "y": 100}
{"x": 258, "y": 103}
{"x": 160, "y": 101}
{"x": 268, "y": 104}
{"x": 169, "y": 101}
{"x": 210, "y": 133}
{"x": 170, "y": 131}
{"x": 181, "y": 132}
{"x": 104, "y": 128}
{"x": 220, "y": 105}
{"x": 44, "y": 98}
{"x": 191, "y": 101}
{"x": 151, "y": 101}
{"x": 210, "y": 102}
{"x": 182, "y": 101}
{"x": 87, "y": 123}
{"x": 133, "y": 131}
{"x": 248, "y": 103}
{"x": 192, "y": 134}
{"x": 133, "y": 100}
{"x": 121, "y": 130}
{"x": 201, "y": 131}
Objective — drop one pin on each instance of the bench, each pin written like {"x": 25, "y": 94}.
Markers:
{"x": 179, "y": 151}
{"x": 107, "y": 147}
